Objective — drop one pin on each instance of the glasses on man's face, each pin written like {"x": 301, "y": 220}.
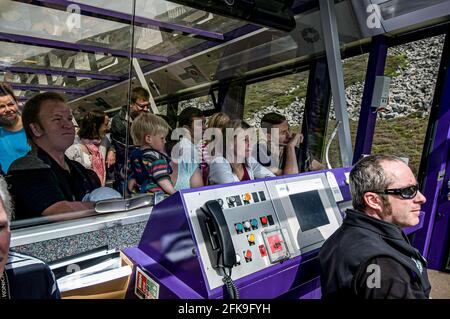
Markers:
{"x": 142, "y": 106}
{"x": 408, "y": 192}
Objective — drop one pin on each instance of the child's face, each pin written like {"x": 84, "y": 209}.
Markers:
{"x": 157, "y": 142}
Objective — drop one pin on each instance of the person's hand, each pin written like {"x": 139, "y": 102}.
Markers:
{"x": 295, "y": 140}
{"x": 110, "y": 158}
{"x": 132, "y": 184}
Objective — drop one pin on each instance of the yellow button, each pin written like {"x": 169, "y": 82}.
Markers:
{"x": 247, "y": 197}
{"x": 251, "y": 238}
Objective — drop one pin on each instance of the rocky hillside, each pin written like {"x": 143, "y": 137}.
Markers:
{"x": 411, "y": 91}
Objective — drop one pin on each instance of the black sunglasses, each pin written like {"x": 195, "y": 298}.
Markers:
{"x": 142, "y": 106}
{"x": 408, "y": 192}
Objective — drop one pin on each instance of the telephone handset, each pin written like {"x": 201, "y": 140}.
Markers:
{"x": 221, "y": 249}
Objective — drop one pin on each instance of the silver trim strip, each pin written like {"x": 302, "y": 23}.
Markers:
{"x": 419, "y": 17}
{"x": 40, "y": 233}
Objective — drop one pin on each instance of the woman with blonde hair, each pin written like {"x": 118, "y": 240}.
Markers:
{"x": 236, "y": 163}
{"x": 218, "y": 120}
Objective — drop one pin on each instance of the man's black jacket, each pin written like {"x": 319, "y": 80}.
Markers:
{"x": 365, "y": 247}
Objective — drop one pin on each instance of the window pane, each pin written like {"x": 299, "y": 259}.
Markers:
{"x": 35, "y": 57}
{"x": 401, "y": 127}
{"x": 285, "y": 95}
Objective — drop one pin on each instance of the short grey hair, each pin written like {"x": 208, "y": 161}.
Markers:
{"x": 5, "y": 197}
{"x": 368, "y": 175}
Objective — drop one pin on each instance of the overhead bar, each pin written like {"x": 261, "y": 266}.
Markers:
{"x": 52, "y": 71}
{"x": 49, "y": 88}
{"x": 56, "y": 44}
{"x": 331, "y": 39}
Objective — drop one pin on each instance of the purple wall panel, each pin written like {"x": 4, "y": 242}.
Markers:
{"x": 432, "y": 239}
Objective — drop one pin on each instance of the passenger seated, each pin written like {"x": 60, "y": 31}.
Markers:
{"x": 217, "y": 121}
{"x": 45, "y": 181}
{"x": 238, "y": 165}
{"x": 148, "y": 168}
{"x": 88, "y": 150}
{"x": 185, "y": 174}
{"x": 286, "y": 154}
{"x": 188, "y": 153}
{"x": 21, "y": 276}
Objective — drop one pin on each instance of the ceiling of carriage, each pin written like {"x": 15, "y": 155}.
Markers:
{"x": 47, "y": 46}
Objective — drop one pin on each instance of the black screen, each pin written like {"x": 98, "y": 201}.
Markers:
{"x": 276, "y": 14}
{"x": 309, "y": 210}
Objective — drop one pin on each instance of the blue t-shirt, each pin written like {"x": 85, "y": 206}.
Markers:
{"x": 12, "y": 146}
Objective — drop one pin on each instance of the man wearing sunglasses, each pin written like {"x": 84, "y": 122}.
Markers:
{"x": 369, "y": 256}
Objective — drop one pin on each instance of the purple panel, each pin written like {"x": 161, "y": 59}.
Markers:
{"x": 171, "y": 286}
{"x": 439, "y": 249}
{"x": 313, "y": 294}
{"x": 368, "y": 115}
{"x": 24, "y": 39}
{"x": 239, "y": 32}
{"x": 52, "y": 71}
{"x": 288, "y": 277}
{"x": 125, "y": 18}
{"x": 300, "y": 281}
{"x": 168, "y": 234}
{"x": 410, "y": 230}
{"x": 41, "y": 87}
{"x": 169, "y": 225}
{"x": 340, "y": 177}
{"x": 433, "y": 237}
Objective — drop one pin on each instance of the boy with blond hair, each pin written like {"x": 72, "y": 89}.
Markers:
{"x": 149, "y": 167}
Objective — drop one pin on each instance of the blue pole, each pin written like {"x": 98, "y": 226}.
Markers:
{"x": 368, "y": 115}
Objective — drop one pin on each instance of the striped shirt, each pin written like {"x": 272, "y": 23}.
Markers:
{"x": 26, "y": 277}
{"x": 149, "y": 167}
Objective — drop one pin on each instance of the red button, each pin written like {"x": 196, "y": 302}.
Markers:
{"x": 248, "y": 254}
{"x": 262, "y": 250}
{"x": 263, "y": 220}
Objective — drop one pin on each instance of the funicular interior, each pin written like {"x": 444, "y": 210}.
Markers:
{"x": 95, "y": 52}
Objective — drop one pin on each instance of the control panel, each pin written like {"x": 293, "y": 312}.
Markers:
{"x": 250, "y": 227}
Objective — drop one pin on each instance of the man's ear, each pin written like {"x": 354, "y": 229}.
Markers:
{"x": 373, "y": 201}
{"x": 36, "y": 129}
